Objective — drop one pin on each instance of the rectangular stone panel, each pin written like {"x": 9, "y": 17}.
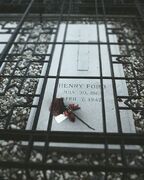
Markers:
{"x": 83, "y": 60}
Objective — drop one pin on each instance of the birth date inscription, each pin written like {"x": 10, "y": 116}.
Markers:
{"x": 81, "y": 92}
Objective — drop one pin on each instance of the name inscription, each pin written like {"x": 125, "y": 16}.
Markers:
{"x": 89, "y": 92}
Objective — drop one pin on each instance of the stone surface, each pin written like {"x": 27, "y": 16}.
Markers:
{"x": 3, "y": 39}
{"x": 83, "y": 60}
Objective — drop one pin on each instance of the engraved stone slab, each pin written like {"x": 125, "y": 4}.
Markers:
{"x": 83, "y": 60}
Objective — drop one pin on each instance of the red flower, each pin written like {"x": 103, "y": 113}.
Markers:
{"x": 73, "y": 107}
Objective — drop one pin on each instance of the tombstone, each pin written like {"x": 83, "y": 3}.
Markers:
{"x": 82, "y": 60}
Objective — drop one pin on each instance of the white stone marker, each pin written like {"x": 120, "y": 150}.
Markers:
{"x": 83, "y": 60}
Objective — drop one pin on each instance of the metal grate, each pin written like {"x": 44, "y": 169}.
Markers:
{"x": 23, "y": 56}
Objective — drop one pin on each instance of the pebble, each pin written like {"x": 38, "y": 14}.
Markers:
{"x": 35, "y": 34}
{"x": 95, "y": 162}
{"x": 24, "y": 177}
{"x": 109, "y": 177}
{"x": 49, "y": 161}
{"x": 18, "y": 118}
{"x": 39, "y": 156}
{"x": 133, "y": 176}
{"x": 24, "y": 112}
{"x": 19, "y": 172}
{"x": 141, "y": 123}
{"x": 61, "y": 177}
{"x": 138, "y": 129}
{"x": 132, "y": 163}
{"x": 119, "y": 158}
{"x": 79, "y": 156}
{"x": 67, "y": 176}
{"x": 15, "y": 150}
{"x": 4, "y": 143}
{"x": 91, "y": 173}
{"x": 13, "y": 126}
{"x": 14, "y": 176}
{"x": 119, "y": 164}
{"x": 60, "y": 161}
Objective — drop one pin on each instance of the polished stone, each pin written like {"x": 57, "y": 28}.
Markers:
{"x": 83, "y": 60}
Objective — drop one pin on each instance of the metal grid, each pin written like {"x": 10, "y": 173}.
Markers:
{"x": 97, "y": 11}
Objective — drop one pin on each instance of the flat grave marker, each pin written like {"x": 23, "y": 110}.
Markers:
{"x": 83, "y": 60}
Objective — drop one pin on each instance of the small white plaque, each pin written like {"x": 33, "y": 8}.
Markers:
{"x": 60, "y": 118}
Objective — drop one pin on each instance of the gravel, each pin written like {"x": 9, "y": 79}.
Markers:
{"x": 15, "y": 117}
{"x": 133, "y": 67}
